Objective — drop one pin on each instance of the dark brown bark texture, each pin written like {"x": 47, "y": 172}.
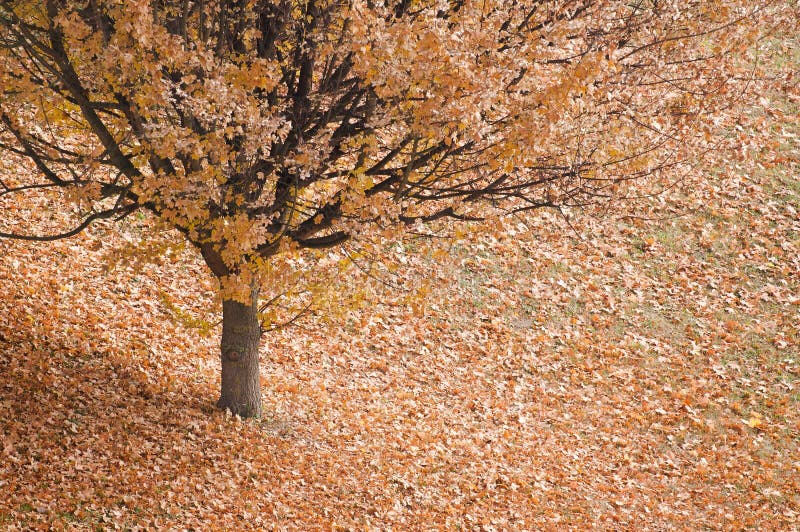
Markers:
{"x": 240, "y": 387}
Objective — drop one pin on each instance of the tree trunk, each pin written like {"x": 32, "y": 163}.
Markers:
{"x": 241, "y": 331}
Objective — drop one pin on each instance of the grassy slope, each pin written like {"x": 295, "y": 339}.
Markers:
{"x": 644, "y": 377}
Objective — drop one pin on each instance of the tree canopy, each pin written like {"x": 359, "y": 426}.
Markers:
{"x": 256, "y": 127}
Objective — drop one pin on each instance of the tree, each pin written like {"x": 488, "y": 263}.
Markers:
{"x": 260, "y": 128}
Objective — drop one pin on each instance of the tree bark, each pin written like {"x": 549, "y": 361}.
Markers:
{"x": 240, "y": 388}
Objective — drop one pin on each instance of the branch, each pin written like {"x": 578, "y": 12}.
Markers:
{"x": 102, "y": 215}
{"x": 31, "y": 153}
{"x": 322, "y": 242}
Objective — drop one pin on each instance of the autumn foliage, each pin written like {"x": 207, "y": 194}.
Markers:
{"x": 629, "y": 366}
{"x": 258, "y": 127}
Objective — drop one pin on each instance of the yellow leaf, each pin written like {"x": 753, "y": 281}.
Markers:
{"x": 755, "y": 421}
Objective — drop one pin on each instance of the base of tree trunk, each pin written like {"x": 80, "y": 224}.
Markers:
{"x": 243, "y": 410}
{"x": 240, "y": 390}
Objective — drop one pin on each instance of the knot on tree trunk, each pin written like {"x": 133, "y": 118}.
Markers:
{"x": 233, "y": 355}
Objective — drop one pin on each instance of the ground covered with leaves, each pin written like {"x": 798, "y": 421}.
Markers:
{"x": 638, "y": 373}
